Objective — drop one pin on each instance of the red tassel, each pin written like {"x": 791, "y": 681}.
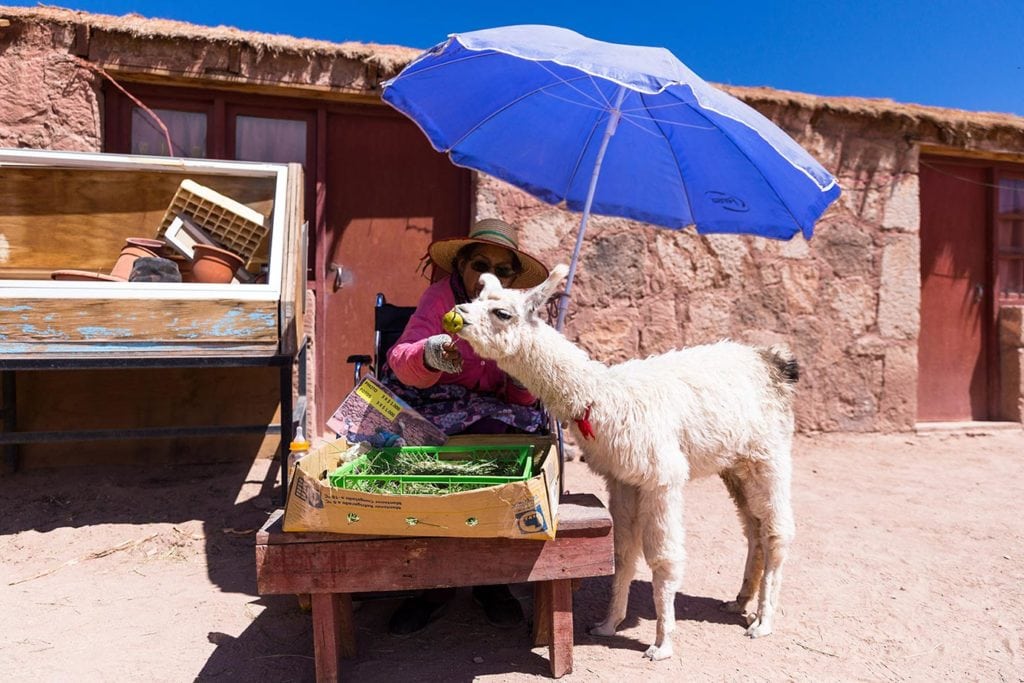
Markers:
{"x": 583, "y": 424}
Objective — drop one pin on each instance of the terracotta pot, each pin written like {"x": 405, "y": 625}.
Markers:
{"x": 123, "y": 267}
{"x": 84, "y": 275}
{"x": 214, "y": 265}
{"x": 184, "y": 264}
{"x": 156, "y": 246}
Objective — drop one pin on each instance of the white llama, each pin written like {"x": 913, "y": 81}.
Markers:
{"x": 650, "y": 425}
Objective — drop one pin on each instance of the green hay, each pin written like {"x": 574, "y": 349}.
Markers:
{"x": 427, "y": 465}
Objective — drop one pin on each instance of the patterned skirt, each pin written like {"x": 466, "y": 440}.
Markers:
{"x": 455, "y": 409}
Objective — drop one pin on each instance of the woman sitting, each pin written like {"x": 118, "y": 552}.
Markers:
{"x": 457, "y": 390}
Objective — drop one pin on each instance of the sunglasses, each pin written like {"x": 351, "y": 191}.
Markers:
{"x": 502, "y": 270}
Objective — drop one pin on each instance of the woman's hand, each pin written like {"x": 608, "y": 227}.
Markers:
{"x": 439, "y": 353}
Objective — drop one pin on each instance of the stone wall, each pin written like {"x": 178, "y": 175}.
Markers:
{"x": 846, "y": 301}
{"x": 1011, "y": 356}
{"x": 49, "y": 100}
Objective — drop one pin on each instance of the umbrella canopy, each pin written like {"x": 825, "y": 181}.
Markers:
{"x": 620, "y": 130}
{"x": 531, "y": 104}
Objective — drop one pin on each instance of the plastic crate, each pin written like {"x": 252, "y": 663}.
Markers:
{"x": 363, "y": 473}
{"x": 234, "y": 225}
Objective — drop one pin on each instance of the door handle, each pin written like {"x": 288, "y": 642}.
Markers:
{"x": 342, "y": 276}
{"x": 979, "y": 292}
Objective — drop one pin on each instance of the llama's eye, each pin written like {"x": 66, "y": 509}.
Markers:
{"x": 501, "y": 315}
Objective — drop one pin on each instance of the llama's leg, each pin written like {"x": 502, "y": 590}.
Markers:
{"x": 753, "y": 570}
{"x": 775, "y": 511}
{"x": 622, "y": 503}
{"x": 665, "y": 549}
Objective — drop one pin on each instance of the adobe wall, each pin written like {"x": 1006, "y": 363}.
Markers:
{"x": 847, "y": 301}
{"x": 49, "y": 101}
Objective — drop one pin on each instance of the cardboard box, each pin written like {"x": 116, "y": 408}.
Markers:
{"x": 523, "y": 509}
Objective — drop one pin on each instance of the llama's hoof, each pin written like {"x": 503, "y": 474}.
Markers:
{"x": 740, "y": 608}
{"x": 758, "y": 629}
{"x": 734, "y": 607}
{"x": 602, "y": 629}
{"x": 656, "y": 652}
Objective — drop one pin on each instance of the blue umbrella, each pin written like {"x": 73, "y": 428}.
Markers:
{"x": 619, "y": 130}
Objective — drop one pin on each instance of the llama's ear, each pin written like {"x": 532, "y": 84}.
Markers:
{"x": 540, "y": 294}
{"x": 490, "y": 284}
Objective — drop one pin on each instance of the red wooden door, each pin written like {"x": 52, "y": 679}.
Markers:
{"x": 388, "y": 194}
{"x": 953, "y": 367}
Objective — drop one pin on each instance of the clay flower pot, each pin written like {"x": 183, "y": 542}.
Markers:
{"x": 134, "y": 247}
{"x": 156, "y": 246}
{"x": 214, "y": 265}
{"x": 83, "y": 276}
{"x": 184, "y": 264}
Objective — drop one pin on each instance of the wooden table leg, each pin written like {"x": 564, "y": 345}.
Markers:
{"x": 553, "y": 623}
{"x": 541, "y": 613}
{"x": 333, "y": 634}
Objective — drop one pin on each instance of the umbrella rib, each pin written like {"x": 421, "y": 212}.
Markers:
{"x": 679, "y": 170}
{"x": 659, "y": 106}
{"x": 474, "y": 55}
{"x": 575, "y": 102}
{"x": 631, "y": 118}
{"x": 579, "y": 158}
{"x": 607, "y": 102}
{"x": 604, "y": 105}
{"x": 490, "y": 116}
{"x": 478, "y": 55}
{"x": 753, "y": 165}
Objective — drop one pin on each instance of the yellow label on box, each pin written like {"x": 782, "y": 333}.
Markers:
{"x": 378, "y": 400}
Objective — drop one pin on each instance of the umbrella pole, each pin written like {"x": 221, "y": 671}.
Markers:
{"x": 609, "y": 131}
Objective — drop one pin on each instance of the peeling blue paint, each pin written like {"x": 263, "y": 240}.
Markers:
{"x": 72, "y": 349}
{"x": 16, "y": 308}
{"x": 104, "y": 332}
{"x": 30, "y": 330}
{"x": 268, "y": 319}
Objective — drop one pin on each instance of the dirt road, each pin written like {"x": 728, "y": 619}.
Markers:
{"x": 908, "y": 565}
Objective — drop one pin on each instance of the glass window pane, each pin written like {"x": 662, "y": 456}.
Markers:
{"x": 1011, "y": 234}
{"x": 1011, "y": 278}
{"x": 273, "y": 140}
{"x": 1011, "y": 195}
{"x": 187, "y": 130}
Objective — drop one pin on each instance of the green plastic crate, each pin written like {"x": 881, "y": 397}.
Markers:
{"x": 373, "y": 471}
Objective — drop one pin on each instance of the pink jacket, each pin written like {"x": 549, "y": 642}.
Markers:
{"x": 406, "y": 356}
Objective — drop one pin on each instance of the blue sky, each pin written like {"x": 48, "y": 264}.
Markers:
{"x": 965, "y": 54}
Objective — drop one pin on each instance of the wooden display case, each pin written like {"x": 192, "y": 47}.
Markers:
{"x": 68, "y": 210}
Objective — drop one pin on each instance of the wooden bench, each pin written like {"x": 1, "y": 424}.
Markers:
{"x": 331, "y": 567}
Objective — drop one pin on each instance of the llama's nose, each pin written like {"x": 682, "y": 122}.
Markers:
{"x": 452, "y": 321}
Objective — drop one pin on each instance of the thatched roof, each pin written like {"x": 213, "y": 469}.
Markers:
{"x": 389, "y": 59}
{"x": 878, "y": 108}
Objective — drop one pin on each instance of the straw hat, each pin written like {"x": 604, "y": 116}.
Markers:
{"x": 490, "y": 231}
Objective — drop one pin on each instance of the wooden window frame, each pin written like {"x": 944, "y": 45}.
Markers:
{"x": 1002, "y": 254}
{"x": 221, "y": 108}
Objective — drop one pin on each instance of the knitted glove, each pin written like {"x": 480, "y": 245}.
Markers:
{"x": 439, "y": 353}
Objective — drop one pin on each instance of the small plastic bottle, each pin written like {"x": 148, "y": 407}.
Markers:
{"x": 297, "y": 449}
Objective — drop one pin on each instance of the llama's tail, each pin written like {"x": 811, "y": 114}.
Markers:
{"x": 782, "y": 363}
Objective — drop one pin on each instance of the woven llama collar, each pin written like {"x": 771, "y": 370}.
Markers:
{"x": 583, "y": 424}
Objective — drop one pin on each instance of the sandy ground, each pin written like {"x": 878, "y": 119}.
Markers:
{"x": 908, "y": 565}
